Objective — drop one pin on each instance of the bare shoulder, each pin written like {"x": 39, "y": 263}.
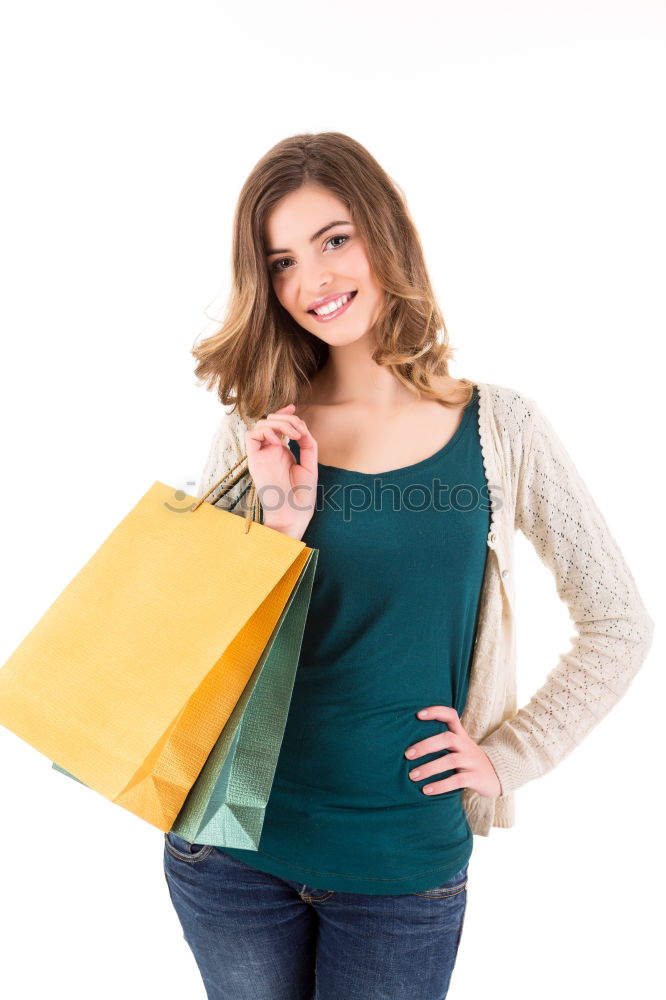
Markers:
{"x": 452, "y": 388}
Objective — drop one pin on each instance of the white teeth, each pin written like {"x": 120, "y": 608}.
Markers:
{"x": 332, "y": 306}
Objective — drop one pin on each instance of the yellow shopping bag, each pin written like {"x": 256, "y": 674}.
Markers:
{"x": 130, "y": 675}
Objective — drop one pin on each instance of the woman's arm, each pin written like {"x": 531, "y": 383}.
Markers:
{"x": 614, "y": 631}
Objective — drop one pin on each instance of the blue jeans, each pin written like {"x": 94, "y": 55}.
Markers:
{"x": 259, "y": 937}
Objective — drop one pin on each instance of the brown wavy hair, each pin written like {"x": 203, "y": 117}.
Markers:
{"x": 260, "y": 359}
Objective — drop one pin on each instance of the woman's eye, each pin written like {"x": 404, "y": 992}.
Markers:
{"x": 339, "y": 237}
{"x": 276, "y": 266}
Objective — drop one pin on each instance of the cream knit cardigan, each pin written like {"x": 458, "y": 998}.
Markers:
{"x": 535, "y": 487}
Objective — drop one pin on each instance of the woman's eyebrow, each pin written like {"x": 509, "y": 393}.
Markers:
{"x": 320, "y": 232}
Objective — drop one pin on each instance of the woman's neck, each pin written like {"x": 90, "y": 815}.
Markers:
{"x": 368, "y": 387}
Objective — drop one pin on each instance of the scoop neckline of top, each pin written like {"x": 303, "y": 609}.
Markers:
{"x": 453, "y": 440}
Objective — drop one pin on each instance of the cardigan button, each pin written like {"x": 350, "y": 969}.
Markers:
{"x": 493, "y": 536}
{"x": 505, "y": 573}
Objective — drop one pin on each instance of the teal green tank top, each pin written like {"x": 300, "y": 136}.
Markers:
{"x": 390, "y": 629}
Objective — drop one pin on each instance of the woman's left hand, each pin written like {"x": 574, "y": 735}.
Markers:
{"x": 472, "y": 764}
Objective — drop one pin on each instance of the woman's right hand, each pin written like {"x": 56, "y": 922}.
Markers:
{"x": 287, "y": 489}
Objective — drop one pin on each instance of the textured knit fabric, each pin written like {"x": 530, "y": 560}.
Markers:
{"x": 535, "y": 488}
{"x": 390, "y": 629}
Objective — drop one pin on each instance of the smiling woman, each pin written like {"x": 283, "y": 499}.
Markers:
{"x": 326, "y": 276}
{"x": 403, "y": 738}
{"x": 317, "y": 219}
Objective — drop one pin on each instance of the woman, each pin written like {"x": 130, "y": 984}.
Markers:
{"x": 403, "y": 738}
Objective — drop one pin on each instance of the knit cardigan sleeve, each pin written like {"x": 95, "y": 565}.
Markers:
{"x": 226, "y": 448}
{"x": 614, "y": 631}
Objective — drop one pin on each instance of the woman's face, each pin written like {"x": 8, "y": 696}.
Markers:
{"x": 315, "y": 256}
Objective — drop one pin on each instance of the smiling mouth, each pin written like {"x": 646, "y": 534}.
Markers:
{"x": 330, "y": 308}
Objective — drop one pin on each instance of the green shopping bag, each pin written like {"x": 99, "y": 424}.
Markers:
{"x": 227, "y": 802}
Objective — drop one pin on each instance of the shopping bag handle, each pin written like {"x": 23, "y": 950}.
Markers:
{"x": 253, "y": 508}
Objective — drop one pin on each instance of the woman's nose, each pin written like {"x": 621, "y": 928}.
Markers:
{"x": 317, "y": 277}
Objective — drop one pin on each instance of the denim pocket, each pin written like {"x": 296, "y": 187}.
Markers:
{"x": 184, "y": 850}
{"x": 457, "y": 883}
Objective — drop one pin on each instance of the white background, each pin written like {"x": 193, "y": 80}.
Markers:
{"x": 528, "y": 138}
